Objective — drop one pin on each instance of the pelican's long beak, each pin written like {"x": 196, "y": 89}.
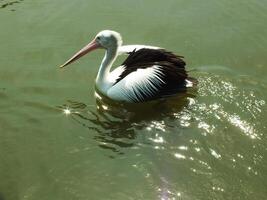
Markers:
{"x": 89, "y": 47}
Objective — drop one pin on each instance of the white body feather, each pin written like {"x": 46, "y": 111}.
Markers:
{"x": 130, "y": 87}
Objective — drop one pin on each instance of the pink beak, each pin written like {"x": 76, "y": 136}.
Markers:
{"x": 89, "y": 47}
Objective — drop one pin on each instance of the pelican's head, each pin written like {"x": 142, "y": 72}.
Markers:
{"x": 108, "y": 39}
{"x": 104, "y": 39}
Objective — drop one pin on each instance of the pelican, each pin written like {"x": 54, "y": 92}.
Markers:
{"x": 148, "y": 73}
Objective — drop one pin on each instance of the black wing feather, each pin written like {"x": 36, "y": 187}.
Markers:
{"x": 173, "y": 73}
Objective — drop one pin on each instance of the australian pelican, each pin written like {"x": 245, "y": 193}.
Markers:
{"x": 148, "y": 72}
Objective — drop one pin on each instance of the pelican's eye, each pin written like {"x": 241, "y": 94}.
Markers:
{"x": 98, "y": 38}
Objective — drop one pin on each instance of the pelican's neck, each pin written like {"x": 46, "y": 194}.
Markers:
{"x": 102, "y": 81}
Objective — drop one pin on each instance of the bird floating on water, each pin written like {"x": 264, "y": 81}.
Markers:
{"x": 148, "y": 72}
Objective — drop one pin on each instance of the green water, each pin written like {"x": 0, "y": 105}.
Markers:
{"x": 207, "y": 144}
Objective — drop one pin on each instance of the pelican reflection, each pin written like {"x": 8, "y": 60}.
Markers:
{"x": 117, "y": 124}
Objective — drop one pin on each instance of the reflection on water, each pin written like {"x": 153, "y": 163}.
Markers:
{"x": 243, "y": 102}
{"x": 117, "y": 123}
{"x": 9, "y": 3}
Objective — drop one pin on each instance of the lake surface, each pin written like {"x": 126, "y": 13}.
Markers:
{"x": 58, "y": 142}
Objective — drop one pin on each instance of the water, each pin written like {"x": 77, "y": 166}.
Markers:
{"x": 58, "y": 142}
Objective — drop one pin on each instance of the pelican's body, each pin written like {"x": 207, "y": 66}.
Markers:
{"x": 148, "y": 72}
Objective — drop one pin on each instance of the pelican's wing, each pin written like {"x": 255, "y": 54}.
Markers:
{"x": 149, "y": 74}
{"x": 126, "y": 49}
{"x": 141, "y": 85}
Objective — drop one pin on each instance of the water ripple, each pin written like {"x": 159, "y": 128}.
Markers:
{"x": 9, "y": 3}
{"x": 228, "y": 100}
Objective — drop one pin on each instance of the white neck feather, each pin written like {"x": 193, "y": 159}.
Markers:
{"x": 102, "y": 81}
